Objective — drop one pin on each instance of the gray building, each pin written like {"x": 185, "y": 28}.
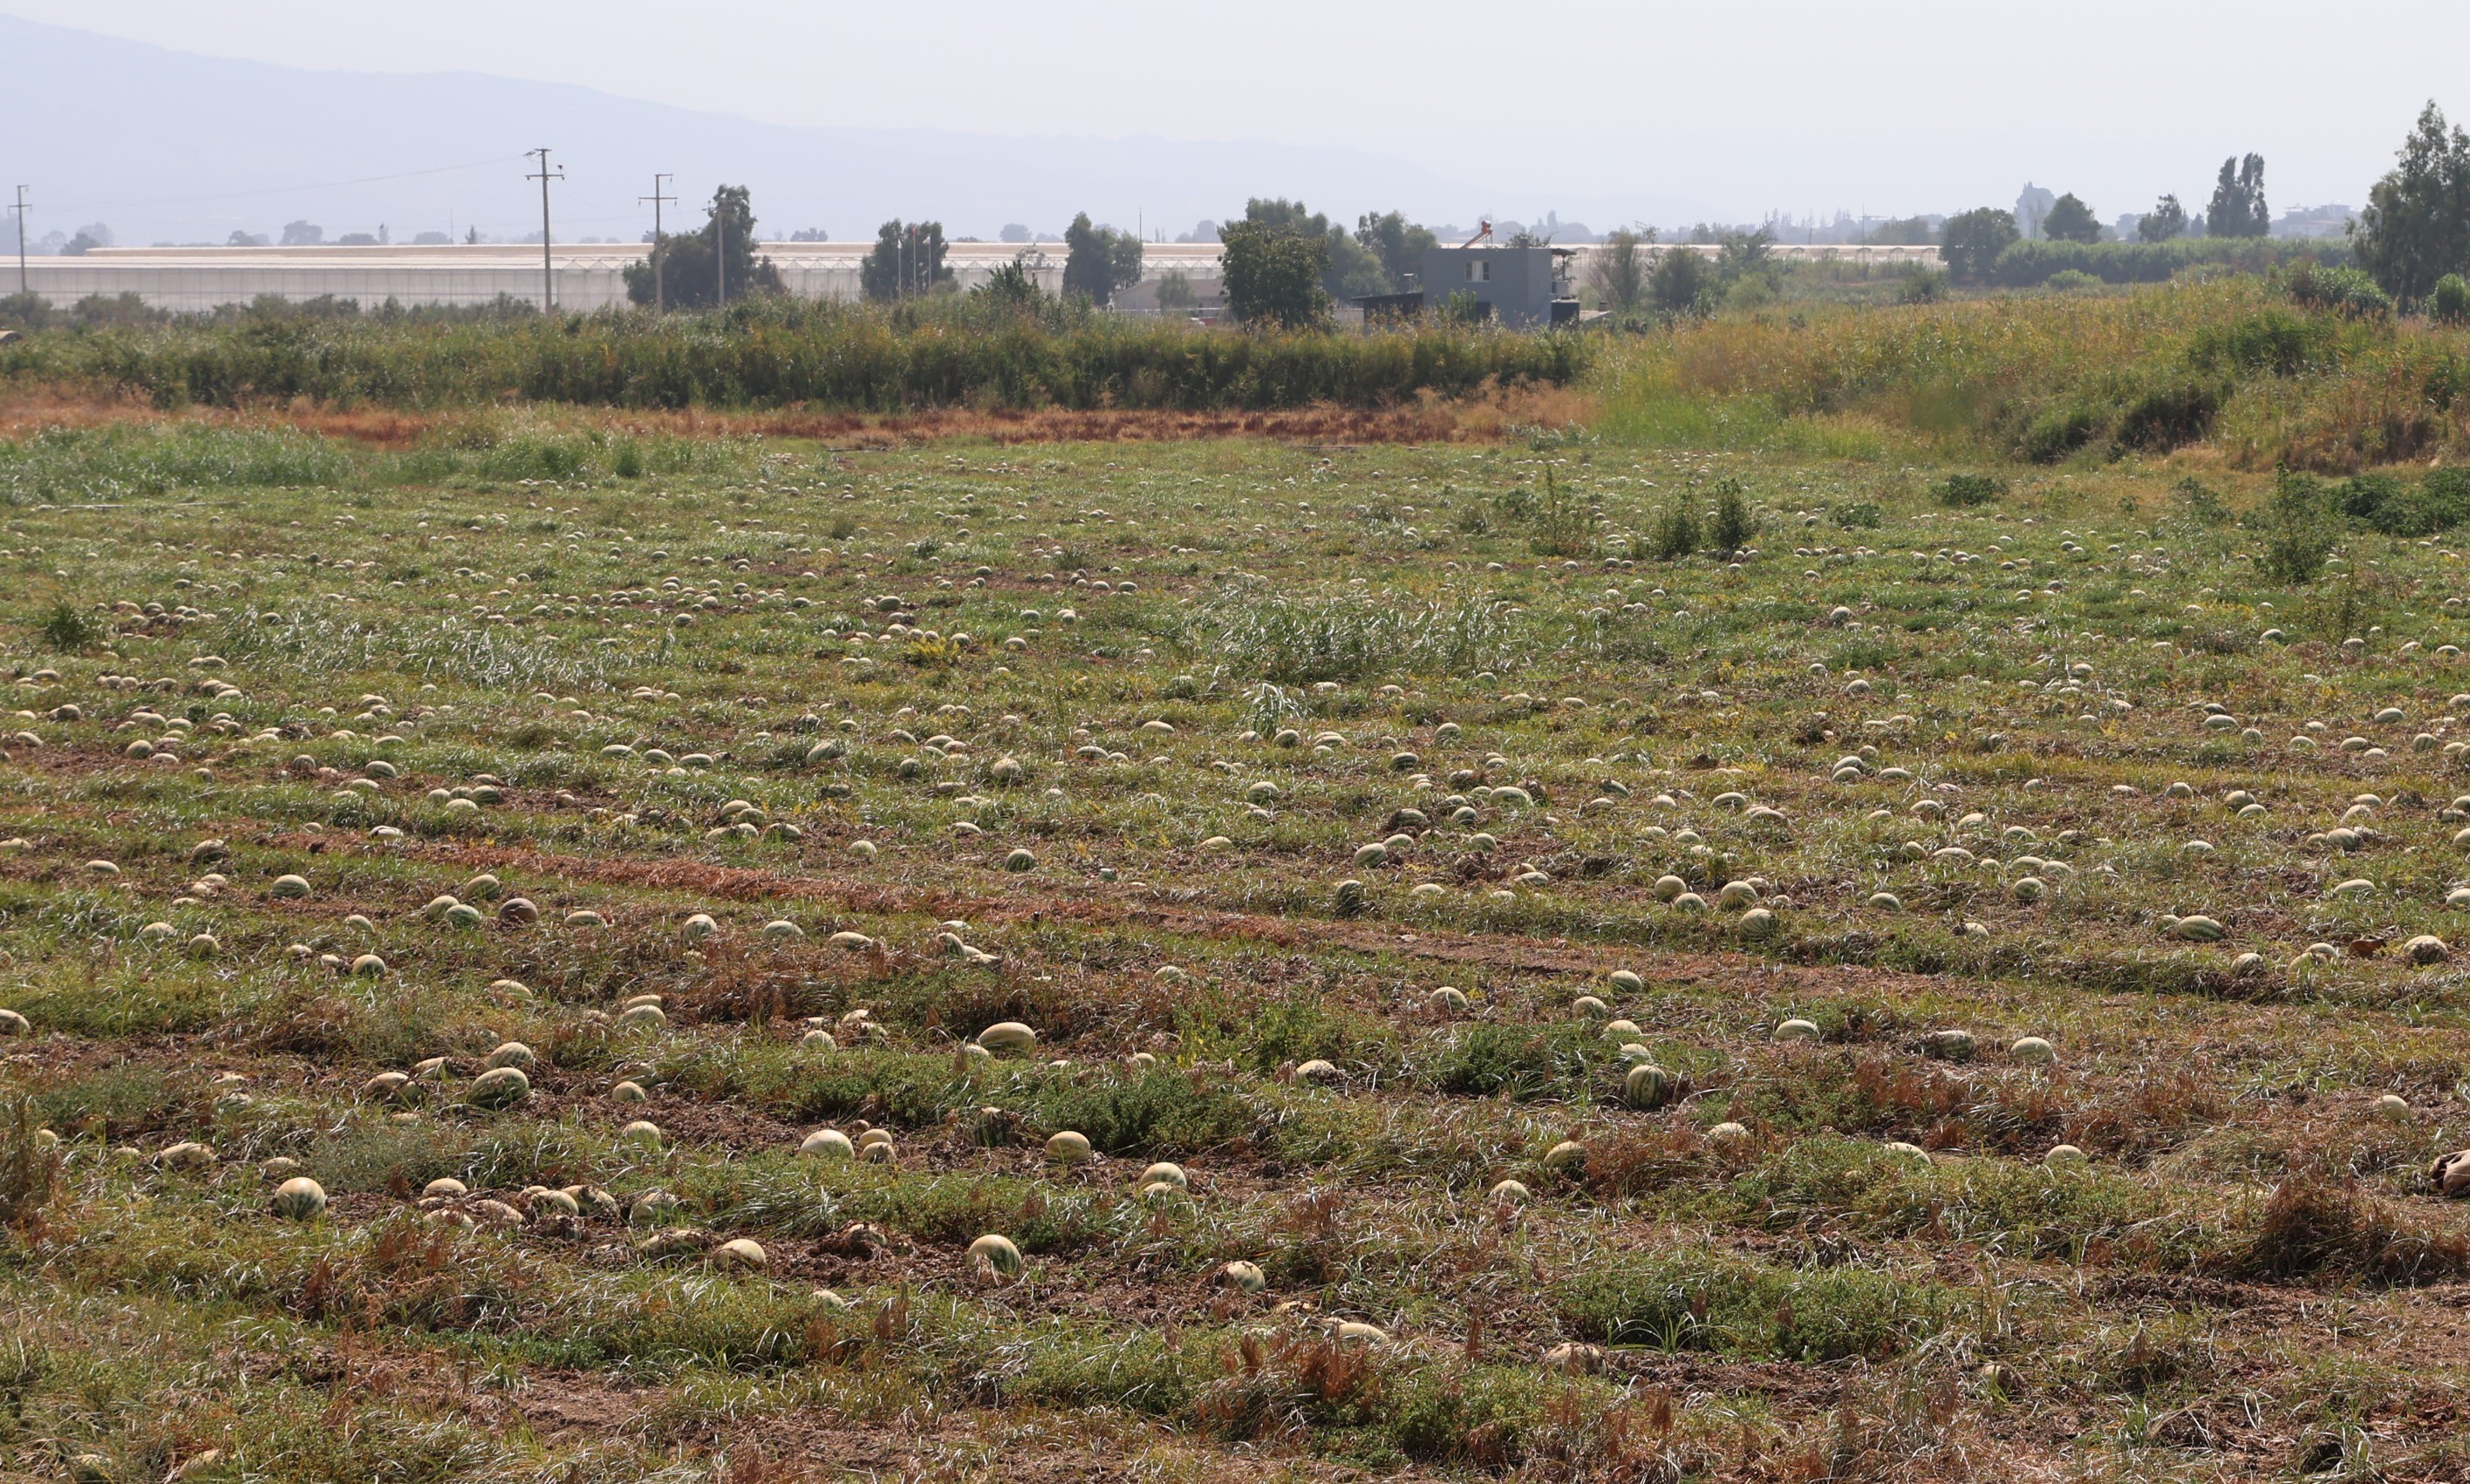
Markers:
{"x": 1519, "y": 288}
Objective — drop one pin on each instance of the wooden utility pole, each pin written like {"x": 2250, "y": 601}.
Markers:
{"x": 20, "y": 210}
{"x": 548, "y": 283}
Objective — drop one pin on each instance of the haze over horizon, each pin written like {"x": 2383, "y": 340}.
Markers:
{"x": 185, "y": 121}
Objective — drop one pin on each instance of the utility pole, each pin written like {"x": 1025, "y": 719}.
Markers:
{"x": 548, "y": 283}
{"x": 656, "y": 198}
{"x": 720, "y": 240}
{"x": 20, "y": 210}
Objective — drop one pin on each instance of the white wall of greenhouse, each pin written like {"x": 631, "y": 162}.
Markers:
{"x": 591, "y": 276}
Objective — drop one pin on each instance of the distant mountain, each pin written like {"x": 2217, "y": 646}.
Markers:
{"x": 166, "y": 145}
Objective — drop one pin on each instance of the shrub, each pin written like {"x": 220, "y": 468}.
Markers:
{"x": 1733, "y": 524}
{"x": 2068, "y": 280}
{"x": 66, "y": 630}
{"x": 2300, "y": 532}
{"x": 2201, "y": 503}
{"x": 2346, "y": 291}
{"x": 2450, "y": 303}
{"x": 2058, "y": 432}
{"x": 2384, "y": 503}
{"x": 2166, "y": 417}
{"x": 1963, "y": 491}
{"x": 1674, "y": 535}
{"x": 2274, "y": 340}
{"x": 1856, "y": 515}
{"x": 1562, "y": 525}
{"x": 1922, "y": 286}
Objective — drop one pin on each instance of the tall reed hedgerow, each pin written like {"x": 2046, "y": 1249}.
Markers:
{"x": 2265, "y": 377}
{"x": 781, "y": 352}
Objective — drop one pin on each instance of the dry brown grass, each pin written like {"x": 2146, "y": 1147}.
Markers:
{"x": 1496, "y": 414}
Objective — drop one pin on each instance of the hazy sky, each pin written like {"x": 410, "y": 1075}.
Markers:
{"x": 1783, "y": 105}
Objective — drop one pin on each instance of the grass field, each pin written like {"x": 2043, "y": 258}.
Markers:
{"x": 2024, "y": 906}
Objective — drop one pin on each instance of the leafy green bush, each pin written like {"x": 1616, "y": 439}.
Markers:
{"x": 2068, "y": 280}
{"x": 1733, "y": 524}
{"x": 2168, "y": 416}
{"x": 66, "y": 630}
{"x": 2300, "y": 533}
{"x": 2346, "y": 291}
{"x": 2274, "y": 340}
{"x": 1856, "y": 515}
{"x": 2450, "y": 303}
{"x": 2058, "y": 431}
{"x": 1674, "y": 533}
{"x": 2382, "y": 502}
{"x": 1922, "y": 286}
{"x": 1963, "y": 491}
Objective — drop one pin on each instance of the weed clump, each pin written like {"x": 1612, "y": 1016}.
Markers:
{"x": 1967, "y": 490}
{"x": 65, "y": 631}
{"x": 2317, "y": 1224}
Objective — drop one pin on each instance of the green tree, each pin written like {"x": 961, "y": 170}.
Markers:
{"x": 1746, "y": 255}
{"x": 1175, "y": 292}
{"x": 1619, "y": 272}
{"x": 1011, "y": 289}
{"x": 905, "y": 263}
{"x": 1348, "y": 268}
{"x": 1975, "y": 239}
{"x": 2416, "y": 227}
{"x": 2071, "y": 221}
{"x": 707, "y": 268}
{"x": 1098, "y": 260}
{"x": 1681, "y": 282}
{"x": 1274, "y": 274}
{"x": 2165, "y": 220}
{"x": 1395, "y": 243}
{"x": 2238, "y": 208}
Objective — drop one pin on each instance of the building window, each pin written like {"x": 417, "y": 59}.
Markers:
{"x": 1479, "y": 270}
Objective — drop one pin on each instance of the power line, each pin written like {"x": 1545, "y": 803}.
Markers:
{"x": 325, "y": 185}
{"x": 549, "y": 283}
{"x": 656, "y": 198}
